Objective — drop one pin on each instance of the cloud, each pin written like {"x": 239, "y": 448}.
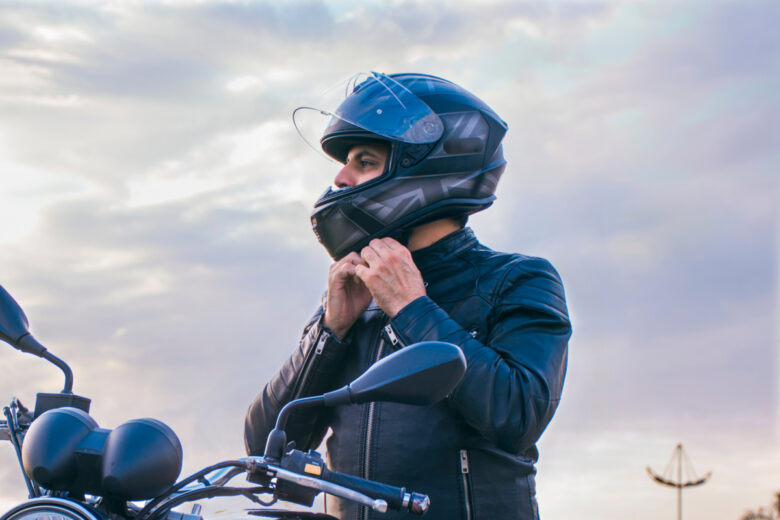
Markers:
{"x": 155, "y": 220}
{"x": 651, "y": 189}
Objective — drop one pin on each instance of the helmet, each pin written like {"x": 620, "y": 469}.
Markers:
{"x": 445, "y": 158}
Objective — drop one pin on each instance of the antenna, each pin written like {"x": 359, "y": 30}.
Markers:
{"x": 681, "y": 458}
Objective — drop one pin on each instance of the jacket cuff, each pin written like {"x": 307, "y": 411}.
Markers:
{"x": 407, "y": 318}
{"x": 320, "y": 324}
{"x": 328, "y": 338}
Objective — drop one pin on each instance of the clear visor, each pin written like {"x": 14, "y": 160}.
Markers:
{"x": 373, "y": 102}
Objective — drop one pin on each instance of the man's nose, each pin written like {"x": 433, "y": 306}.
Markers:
{"x": 345, "y": 178}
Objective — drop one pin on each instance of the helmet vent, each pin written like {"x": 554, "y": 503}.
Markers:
{"x": 463, "y": 146}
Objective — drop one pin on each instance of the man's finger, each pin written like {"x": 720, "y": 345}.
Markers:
{"x": 368, "y": 254}
{"x": 361, "y": 271}
{"x": 348, "y": 269}
{"x": 343, "y": 269}
{"x": 352, "y": 258}
{"x": 391, "y": 243}
{"x": 381, "y": 247}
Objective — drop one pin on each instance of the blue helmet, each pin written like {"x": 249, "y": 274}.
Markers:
{"x": 445, "y": 158}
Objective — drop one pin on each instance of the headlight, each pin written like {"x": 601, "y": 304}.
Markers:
{"x": 51, "y": 509}
{"x": 64, "y": 450}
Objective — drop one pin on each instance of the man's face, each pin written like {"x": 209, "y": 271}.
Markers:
{"x": 364, "y": 162}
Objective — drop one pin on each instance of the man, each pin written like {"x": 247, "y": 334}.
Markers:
{"x": 420, "y": 154}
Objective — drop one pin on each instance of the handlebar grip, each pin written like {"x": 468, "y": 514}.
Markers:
{"x": 397, "y": 498}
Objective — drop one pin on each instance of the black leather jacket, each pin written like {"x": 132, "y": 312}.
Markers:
{"x": 474, "y": 452}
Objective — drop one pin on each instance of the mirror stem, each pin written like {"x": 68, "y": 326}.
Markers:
{"x": 27, "y": 343}
{"x": 277, "y": 438}
{"x": 304, "y": 402}
{"x": 68, "y": 389}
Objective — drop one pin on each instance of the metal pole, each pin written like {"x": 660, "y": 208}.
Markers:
{"x": 679, "y": 502}
{"x": 679, "y": 482}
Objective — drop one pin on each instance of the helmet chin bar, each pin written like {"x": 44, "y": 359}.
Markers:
{"x": 340, "y": 241}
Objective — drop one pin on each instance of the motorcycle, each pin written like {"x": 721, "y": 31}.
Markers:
{"x": 75, "y": 470}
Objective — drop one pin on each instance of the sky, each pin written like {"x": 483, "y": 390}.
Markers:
{"x": 154, "y": 204}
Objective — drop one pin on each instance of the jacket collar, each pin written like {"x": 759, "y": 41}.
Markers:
{"x": 444, "y": 248}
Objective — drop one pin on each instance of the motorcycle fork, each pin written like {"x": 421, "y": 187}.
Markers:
{"x": 14, "y": 430}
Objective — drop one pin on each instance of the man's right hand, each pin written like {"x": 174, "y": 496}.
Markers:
{"x": 347, "y": 298}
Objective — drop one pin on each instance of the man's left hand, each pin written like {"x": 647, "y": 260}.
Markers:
{"x": 390, "y": 275}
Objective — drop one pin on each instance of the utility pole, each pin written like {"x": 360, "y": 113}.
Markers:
{"x": 679, "y": 459}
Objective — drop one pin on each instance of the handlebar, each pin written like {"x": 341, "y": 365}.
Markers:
{"x": 396, "y": 498}
{"x": 377, "y": 504}
{"x": 376, "y": 495}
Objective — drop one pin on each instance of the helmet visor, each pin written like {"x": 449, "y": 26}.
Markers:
{"x": 373, "y": 103}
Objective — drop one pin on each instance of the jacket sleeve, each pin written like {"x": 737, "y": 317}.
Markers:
{"x": 310, "y": 370}
{"x": 514, "y": 379}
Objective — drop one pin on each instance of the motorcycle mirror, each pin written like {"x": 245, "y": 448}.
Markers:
{"x": 13, "y": 322}
{"x": 420, "y": 374}
{"x": 15, "y": 330}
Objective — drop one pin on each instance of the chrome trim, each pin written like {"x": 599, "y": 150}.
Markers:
{"x": 218, "y": 477}
{"x": 59, "y": 505}
{"x": 421, "y": 507}
{"x": 224, "y": 475}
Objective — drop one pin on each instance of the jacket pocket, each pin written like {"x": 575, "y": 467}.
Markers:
{"x": 465, "y": 477}
{"x": 501, "y": 485}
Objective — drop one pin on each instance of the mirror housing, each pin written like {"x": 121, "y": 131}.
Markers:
{"x": 13, "y": 322}
{"x": 420, "y": 374}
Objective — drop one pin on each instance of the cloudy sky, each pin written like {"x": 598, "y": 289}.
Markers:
{"x": 154, "y": 203}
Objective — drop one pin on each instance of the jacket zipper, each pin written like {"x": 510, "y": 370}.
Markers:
{"x": 466, "y": 481}
{"x": 370, "y": 430}
{"x": 392, "y": 338}
{"x": 312, "y": 360}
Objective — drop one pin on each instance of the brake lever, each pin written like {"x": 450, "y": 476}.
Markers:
{"x": 378, "y": 504}
{"x": 257, "y": 464}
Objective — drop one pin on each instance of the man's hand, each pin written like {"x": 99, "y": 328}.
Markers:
{"x": 388, "y": 271}
{"x": 347, "y": 298}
